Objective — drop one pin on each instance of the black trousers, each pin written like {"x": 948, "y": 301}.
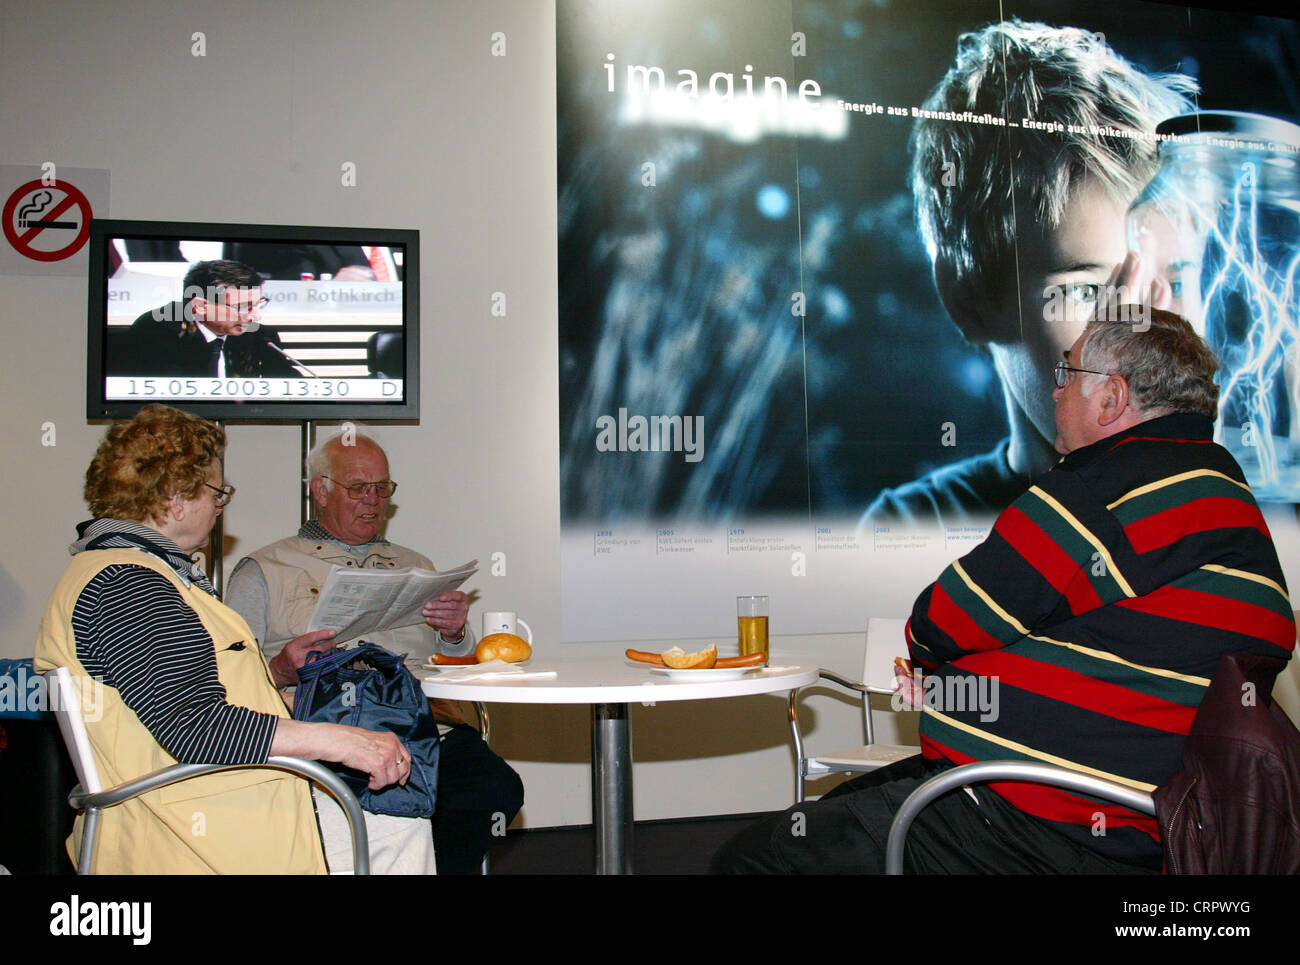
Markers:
{"x": 478, "y": 795}
{"x": 845, "y": 833}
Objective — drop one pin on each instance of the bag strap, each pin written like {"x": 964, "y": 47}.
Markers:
{"x": 380, "y": 658}
{"x": 323, "y": 662}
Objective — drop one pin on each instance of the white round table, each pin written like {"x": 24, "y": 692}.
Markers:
{"x": 609, "y": 684}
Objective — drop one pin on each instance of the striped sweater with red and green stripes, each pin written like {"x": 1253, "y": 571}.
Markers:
{"x": 1084, "y": 630}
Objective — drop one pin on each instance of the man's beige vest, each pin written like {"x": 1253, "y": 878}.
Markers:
{"x": 237, "y": 822}
{"x": 295, "y": 570}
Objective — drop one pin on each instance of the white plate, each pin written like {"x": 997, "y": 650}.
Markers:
{"x": 713, "y": 673}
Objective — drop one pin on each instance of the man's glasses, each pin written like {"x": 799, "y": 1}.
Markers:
{"x": 1062, "y": 373}
{"x": 250, "y": 307}
{"x": 383, "y": 488}
{"x": 224, "y": 494}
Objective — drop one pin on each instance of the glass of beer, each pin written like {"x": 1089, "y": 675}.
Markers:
{"x": 751, "y": 614}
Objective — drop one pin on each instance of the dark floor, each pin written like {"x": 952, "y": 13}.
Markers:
{"x": 681, "y": 847}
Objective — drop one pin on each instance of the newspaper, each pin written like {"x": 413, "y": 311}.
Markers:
{"x": 354, "y": 602}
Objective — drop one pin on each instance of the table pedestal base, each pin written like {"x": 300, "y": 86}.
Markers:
{"x": 611, "y": 788}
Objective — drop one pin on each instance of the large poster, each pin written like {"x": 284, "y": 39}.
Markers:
{"x": 817, "y": 260}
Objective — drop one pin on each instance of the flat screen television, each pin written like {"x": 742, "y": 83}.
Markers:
{"x": 258, "y": 322}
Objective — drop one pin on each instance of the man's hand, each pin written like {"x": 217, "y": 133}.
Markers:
{"x": 285, "y": 664}
{"x": 448, "y": 613}
{"x": 910, "y": 693}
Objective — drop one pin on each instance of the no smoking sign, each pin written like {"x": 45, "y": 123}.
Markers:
{"x": 46, "y": 220}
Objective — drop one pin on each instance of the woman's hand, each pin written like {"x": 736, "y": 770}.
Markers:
{"x": 377, "y": 753}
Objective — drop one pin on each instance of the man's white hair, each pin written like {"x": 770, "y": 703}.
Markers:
{"x": 320, "y": 461}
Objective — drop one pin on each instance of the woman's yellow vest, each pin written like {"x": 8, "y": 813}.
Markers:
{"x": 256, "y": 821}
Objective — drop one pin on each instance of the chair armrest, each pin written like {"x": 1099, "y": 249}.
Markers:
{"x": 792, "y": 713}
{"x": 855, "y": 685}
{"x": 312, "y": 770}
{"x": 982, "y": 771}
{"x": 843, "y": 681}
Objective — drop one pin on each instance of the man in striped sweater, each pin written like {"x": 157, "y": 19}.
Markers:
{"x": 1082, "y": 632}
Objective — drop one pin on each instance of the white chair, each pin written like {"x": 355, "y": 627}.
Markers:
{"x": 1030, "y": 771}
{"x": 91, "y": 796}
{"x": 885, "y": 641}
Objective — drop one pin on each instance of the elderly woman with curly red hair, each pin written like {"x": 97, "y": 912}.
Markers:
{"x": 183, "y": 678}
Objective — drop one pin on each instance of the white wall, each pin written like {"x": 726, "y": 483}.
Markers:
{"x": 446, "y": 138}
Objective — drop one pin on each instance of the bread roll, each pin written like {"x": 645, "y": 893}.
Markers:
{"x": 679, "y": 659}
{"x": 503, "y": 646}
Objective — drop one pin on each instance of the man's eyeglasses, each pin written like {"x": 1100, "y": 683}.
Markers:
{"x": 250, "y": 307}
{"x": 1062, "y": 373}
{"x": 383, "y": 488}
{"x": 224, "y": 494}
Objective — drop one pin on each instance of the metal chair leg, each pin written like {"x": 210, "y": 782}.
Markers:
{"x": 792, "y": 713}
{"x": 484, "y": 725}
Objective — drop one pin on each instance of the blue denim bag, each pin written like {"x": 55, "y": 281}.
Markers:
{"x": 369, "y": 687}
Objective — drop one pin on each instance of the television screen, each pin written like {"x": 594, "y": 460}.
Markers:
{"x": 259, "y": 322}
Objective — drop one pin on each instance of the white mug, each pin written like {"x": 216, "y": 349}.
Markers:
{"x": 505, "y": 621}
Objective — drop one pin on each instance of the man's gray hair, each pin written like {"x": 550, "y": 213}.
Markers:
{"x": 1167, "y": 366}
{"x": 319, "y": 460}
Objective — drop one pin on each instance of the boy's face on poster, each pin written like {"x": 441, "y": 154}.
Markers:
{"x": 1062, "y": 270}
